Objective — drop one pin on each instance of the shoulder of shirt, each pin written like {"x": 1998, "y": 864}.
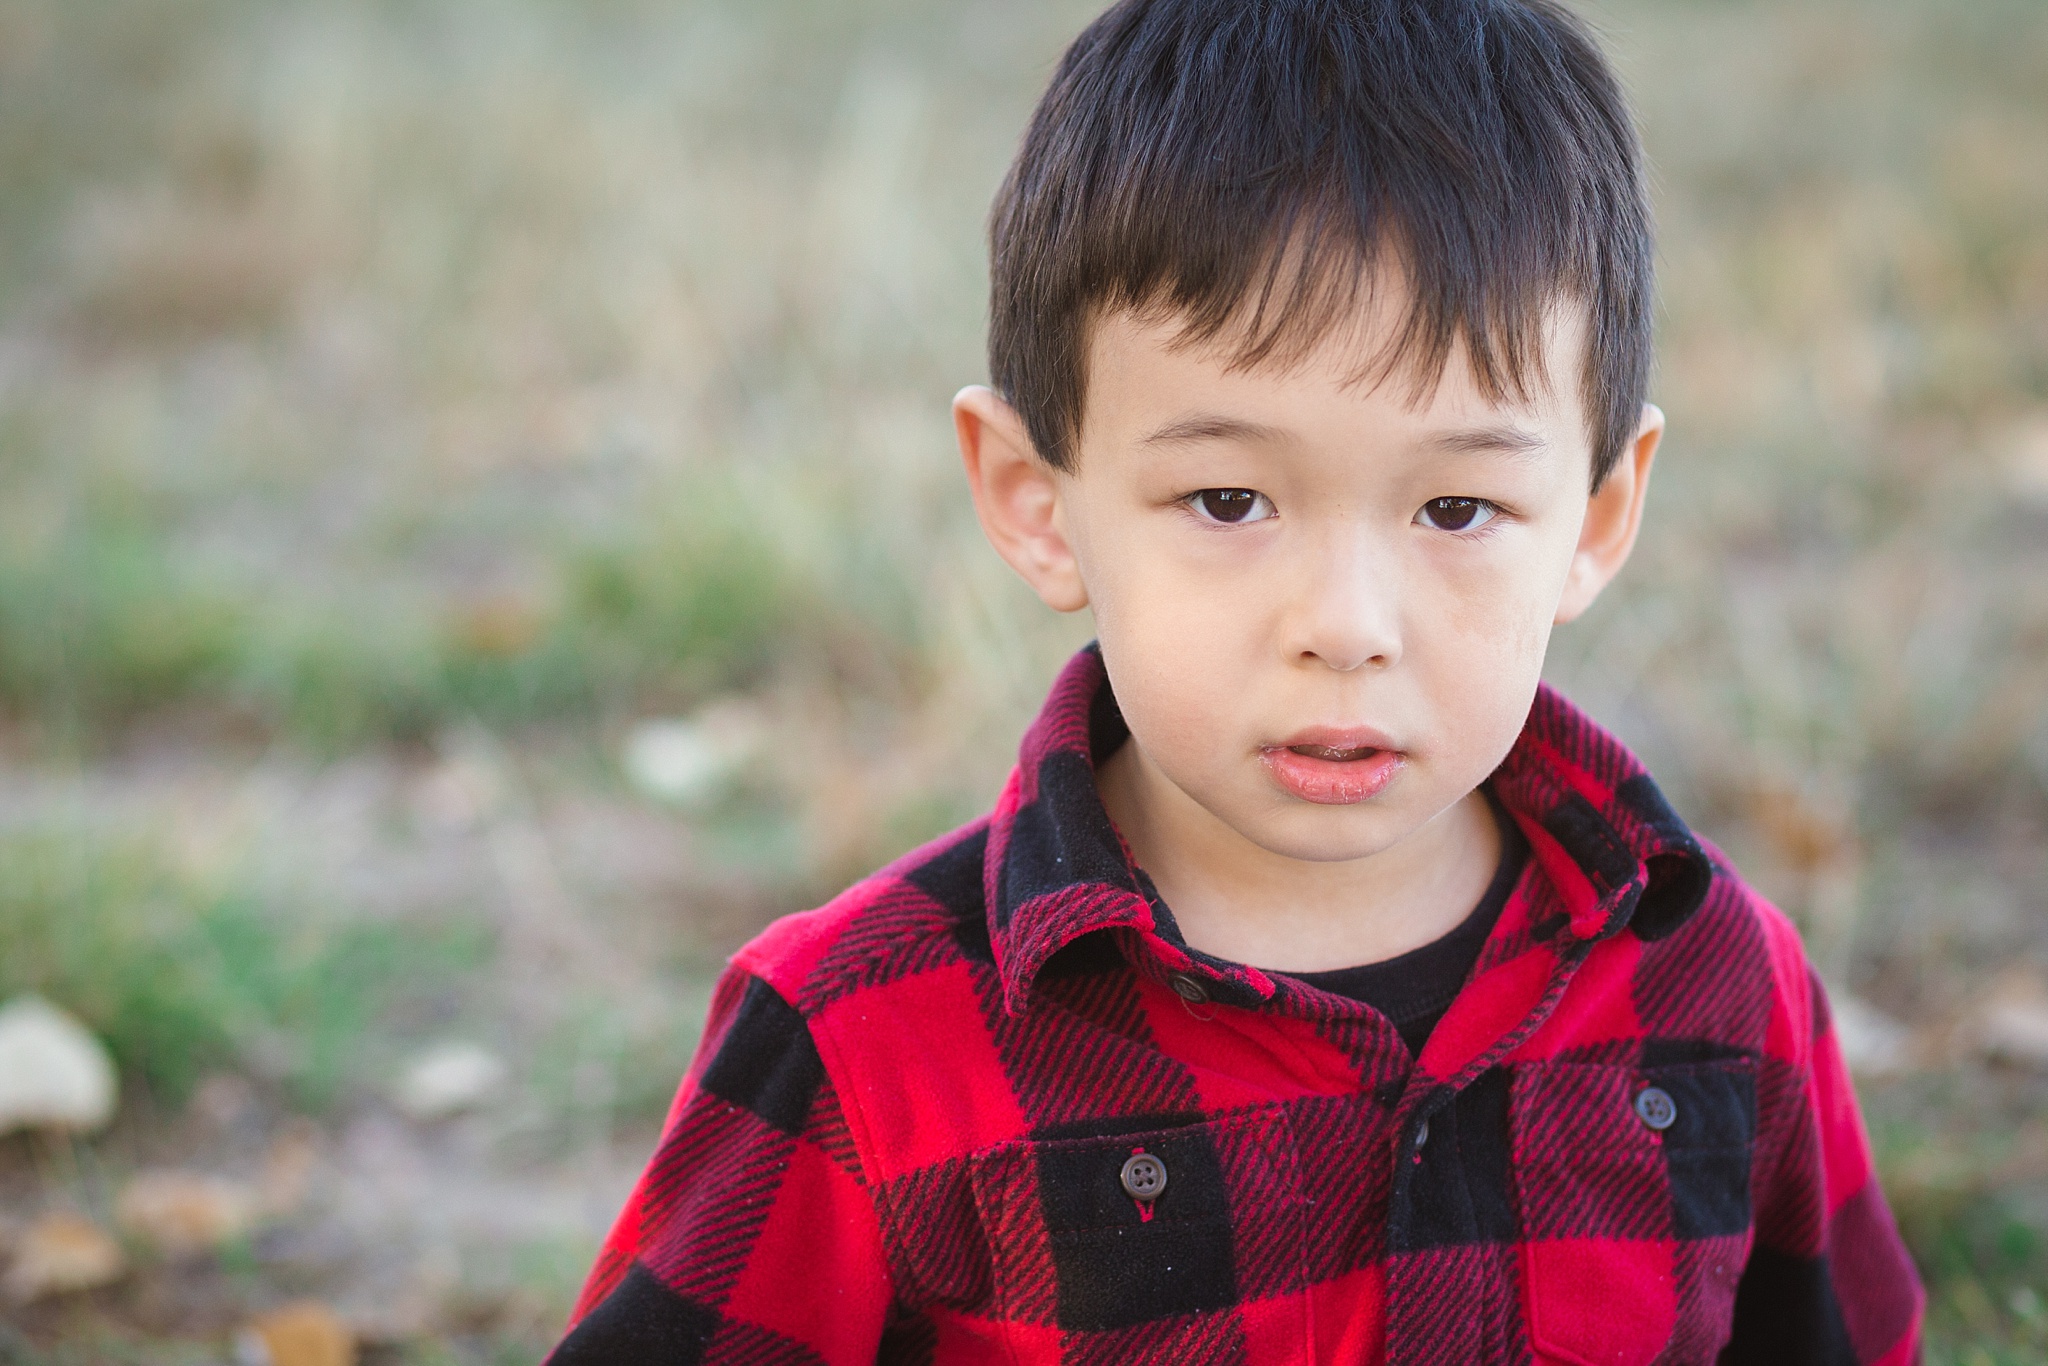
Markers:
{"x": 919, "y": 912}
{"x": 1738, "y": 933}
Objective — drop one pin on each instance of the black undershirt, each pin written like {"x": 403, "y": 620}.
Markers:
{"x": 1414, "y": 990}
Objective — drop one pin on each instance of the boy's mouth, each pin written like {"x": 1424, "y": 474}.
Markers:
{"x": 1334, "y": 768}
{"x": 1342, "y": 756}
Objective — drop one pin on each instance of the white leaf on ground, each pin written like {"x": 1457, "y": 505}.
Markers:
{"x": 1873, "y": 1043}
{"x": 691, "y": 761}
{"x": 448, "y": 1079}
{"x": 53, "y": 1073}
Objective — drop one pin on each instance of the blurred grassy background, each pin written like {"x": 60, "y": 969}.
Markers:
{"x": 401, "y": 405}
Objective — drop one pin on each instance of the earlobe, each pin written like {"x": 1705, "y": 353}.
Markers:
{"x": 1017, "y": 496}
{"x": 1614, "y": 515}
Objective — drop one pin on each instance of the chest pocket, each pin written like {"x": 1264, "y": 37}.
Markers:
{"x": 1074, "y": 1250}
{"x": 1633, "y": 1187}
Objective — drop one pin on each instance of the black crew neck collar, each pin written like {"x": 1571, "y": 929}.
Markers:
{"x": 1414, "y": 989}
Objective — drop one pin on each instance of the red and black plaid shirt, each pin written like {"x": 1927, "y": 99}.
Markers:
{"x": 907, "y": 1132}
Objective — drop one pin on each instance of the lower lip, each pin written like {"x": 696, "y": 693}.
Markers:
{"x": 1333, "y": 782}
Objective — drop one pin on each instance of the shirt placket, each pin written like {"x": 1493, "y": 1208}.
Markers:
{"x": 1450, "y": 1304}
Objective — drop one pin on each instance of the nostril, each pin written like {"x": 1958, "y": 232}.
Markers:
{"x": 1344, "y": 664}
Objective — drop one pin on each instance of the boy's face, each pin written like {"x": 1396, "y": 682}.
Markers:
{"x": 1323, "y": 604}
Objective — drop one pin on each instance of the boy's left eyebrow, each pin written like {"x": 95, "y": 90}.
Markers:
{"x": 1487, "y": 441}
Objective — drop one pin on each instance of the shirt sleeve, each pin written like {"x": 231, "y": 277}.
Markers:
{"x": 752, "y": 1235}
{"x": 1829, "y": 1281}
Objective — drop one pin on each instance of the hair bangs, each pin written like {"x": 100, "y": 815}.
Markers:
{"x": 1259, "y": 171}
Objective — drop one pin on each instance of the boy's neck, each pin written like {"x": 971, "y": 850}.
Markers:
{"x": 1242, "y": 902}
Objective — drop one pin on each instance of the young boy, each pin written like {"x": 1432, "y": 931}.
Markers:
{"x": 1322, "y": 988}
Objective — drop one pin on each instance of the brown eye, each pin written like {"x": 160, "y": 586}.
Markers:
{"x": 1457, "y": 514}
{"x": 1232, "y": 505}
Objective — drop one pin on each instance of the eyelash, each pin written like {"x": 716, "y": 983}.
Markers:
{"x": 1493, "y": 512}
{"x": 1193, "y": 503}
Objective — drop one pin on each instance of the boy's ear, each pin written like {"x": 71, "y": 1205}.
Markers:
{"x": 1018, "y": 497}
{"x": 1613, "y": 516}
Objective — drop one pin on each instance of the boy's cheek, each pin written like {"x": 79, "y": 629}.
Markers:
{"x": 1149, "y": 607}
{"x": 1486, "y": 666}
{"x": 1502, "y": 629}
{"x": 1174, "y": 686}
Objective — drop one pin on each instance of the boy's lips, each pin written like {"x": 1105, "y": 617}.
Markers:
{"x": 1334, "y": 767}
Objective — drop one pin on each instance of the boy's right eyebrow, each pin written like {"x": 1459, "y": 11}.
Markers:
{"x": 1201, "y": 427}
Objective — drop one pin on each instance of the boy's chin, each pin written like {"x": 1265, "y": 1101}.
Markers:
{"x": 1312, "y": 833}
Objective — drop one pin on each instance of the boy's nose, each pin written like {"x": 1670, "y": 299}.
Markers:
{"x": 1346, "y": 616}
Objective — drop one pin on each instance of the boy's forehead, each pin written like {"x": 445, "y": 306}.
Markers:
{"x": 1151, "y": 383}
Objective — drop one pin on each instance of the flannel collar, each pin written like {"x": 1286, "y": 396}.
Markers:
{"x": 1600, "y": 831}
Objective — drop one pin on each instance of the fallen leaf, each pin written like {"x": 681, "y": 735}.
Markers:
{"x": 691, "y": 761}
{"x": 2026, "y": 458}
{"x": 183, "y": 1213}
{"x": 2010, "y": 1022}
{"x": 1873, "y": 1043}
{"x": 1806, "y": 835}
{"x": 288, "y": 1168}
{"x": 307, "y": 1333}
{"x": 447, "y": 1080}
{"x": 2013, "y": 1028}
{"x": 504, "y": 626}
{"x": 60, "y": 1254}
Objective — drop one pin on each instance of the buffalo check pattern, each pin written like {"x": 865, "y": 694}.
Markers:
{"x": 903, "y": 1137}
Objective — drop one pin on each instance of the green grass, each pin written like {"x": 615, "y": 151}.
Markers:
{"x": 102, "y": 621}
{"x": 105, "y": 619}
{"x": 169, "y": 533}
{"x": 104, "y": 1347}
{"x": 179, "y": 978}
{"x": 1986, "y": 1268}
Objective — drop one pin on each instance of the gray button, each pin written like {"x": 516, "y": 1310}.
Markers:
{"x": 1421, "y": 1135}
{"x": 1189, "y": 988}
{"x": 1656, "y": 1108}
{"x": 1144, "y": 1176}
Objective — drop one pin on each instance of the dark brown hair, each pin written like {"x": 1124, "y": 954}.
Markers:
{"x": 1243, "y": 166}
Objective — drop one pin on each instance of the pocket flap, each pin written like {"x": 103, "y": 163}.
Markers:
{"x": 1615, "y": 1168}
{"x": 1073, "y": 1246}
